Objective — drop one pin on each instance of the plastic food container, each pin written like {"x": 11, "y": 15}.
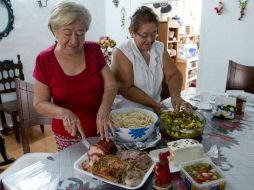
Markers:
{"x": 191, "y": 184}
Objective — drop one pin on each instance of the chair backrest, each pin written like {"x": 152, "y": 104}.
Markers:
{"x": 27, "y": 114}
{"x": 240, "y": 77}
{"x": 9, "y": 71}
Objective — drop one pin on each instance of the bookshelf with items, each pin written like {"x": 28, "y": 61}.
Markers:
{"x": 168, "y": 34}
{"x": 189, "y": 69}
{"x": 187, "y": 58}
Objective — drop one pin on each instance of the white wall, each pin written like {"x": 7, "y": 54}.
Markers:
{"x": 223, "y": 38}
{"x": 113, "y": 20}
{"x": 31, "y": 35}
{"x": 113, "y": 17}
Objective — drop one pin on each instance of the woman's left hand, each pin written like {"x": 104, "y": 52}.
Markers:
{"x": 178, "y": 102}
{"x": 104, "y": 122}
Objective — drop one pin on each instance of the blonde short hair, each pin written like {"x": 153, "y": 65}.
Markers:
{"x": 67, "y": 12}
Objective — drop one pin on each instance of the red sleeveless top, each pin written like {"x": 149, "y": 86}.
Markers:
{"x": 81, "y": 93}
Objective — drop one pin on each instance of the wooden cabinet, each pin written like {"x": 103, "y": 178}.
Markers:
{"x": 168, "y": 34}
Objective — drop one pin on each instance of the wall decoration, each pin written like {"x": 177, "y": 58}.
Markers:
{"x": 219, "y": 9}
{"x": 6, "y": 12}
{"x": 116, "y": 2}
{"x": 123, "y": 14}
{"x": 243, "y": 5}
{"x": 42, "y": 3}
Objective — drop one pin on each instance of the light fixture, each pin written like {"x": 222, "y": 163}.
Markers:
{"x": 42, "y": 3}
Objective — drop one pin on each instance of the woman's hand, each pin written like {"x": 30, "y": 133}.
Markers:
{"x": 104, "y": 121}
{"x": 158, "y": 107}
{"x": 177, "y": 102}
{"x": 72, "y": 123}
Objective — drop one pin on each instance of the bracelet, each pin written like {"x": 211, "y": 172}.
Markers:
{"x": 177, "y": 96}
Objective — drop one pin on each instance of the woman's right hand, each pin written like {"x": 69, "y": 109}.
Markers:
{"x": 72, "y": 123}
{"x": 157, "y": 108}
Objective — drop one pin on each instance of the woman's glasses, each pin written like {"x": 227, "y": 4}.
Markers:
{"x": 144, "y": 37}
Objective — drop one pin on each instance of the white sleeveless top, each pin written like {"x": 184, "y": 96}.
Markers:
{"x": 147, "y": 77}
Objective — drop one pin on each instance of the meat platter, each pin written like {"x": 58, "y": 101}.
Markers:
{"x": 120, "y": 167}
{"x": 78, "y": 167}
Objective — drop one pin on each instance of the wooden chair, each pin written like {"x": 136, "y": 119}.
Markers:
{"x": 6, "y": 159}
{"x": 240, "y": 77}
{"x": 27, "y": 114}
{"x": 9, "y": 72}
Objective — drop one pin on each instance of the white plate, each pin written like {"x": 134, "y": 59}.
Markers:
{"x": 78, "y": 167}
{"x": 154, "y": 154}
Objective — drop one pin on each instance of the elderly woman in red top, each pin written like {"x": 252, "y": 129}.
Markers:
{"x": 74, "y": 75}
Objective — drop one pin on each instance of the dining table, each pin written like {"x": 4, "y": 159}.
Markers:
{"x": 228, "y": 143}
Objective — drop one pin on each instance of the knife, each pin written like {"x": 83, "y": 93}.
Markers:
{"x": 83, "y": 141}
{"x": 86, "y": 143}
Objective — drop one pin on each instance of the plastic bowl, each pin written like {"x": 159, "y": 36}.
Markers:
{"x": 138, "y": 133}
{"x": 191, "y": 184}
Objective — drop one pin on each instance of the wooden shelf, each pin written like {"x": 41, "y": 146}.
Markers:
{"x": 188, "y": 59}
{"x": 193, "y": 68}
{"x": 188, "y": 35}
{"x": 173, "y": 41}
{"x": 192, "y": 78}
{"x": 169, "y": 30}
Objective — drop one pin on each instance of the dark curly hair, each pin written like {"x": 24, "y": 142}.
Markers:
{"x": 143, "y": 15}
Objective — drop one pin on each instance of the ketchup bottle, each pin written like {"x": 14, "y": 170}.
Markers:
{"x": 162, "y": 172}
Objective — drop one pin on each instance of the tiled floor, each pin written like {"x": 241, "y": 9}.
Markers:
{"x": 39, "y": 142}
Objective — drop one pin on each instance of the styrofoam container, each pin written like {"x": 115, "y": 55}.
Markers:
{"x": 138, "y": 133}
{"x": 191, "y": 184}
{"x": 78, "y": 168}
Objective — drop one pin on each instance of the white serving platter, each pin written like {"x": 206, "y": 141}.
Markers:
{"x": 78, "y": 167}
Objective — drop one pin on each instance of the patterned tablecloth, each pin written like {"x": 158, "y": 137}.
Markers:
{"x": 233, "y": 140}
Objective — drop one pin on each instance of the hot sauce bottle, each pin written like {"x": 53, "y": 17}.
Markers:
{"x": 162, "y": 178}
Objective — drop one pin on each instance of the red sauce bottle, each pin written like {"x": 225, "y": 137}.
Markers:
{"x": 162, "y": 172}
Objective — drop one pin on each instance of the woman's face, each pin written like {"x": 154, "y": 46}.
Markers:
{"x": 145, "y": 36}
{"x": 70, "y": 37}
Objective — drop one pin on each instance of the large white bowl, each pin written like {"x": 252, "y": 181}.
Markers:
{"x": 134, "y": 134}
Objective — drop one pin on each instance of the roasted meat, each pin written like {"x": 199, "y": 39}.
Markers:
{"x": 107, "y": 147}
{"x": 103, "y": 147}
{"x": 140, "y": 159}
{"x": 125, "y": 166}
{"x": 132, "y": 176}
{"x": 109, "y": 167}
{"x": 116, "y": 170}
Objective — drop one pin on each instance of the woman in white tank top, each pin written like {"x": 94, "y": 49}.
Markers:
{"x": 141, "y": 63}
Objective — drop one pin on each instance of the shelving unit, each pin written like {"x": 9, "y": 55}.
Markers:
{"x": 168, "y": 34}
{"x": 186, "y": 61}
{"x": 189, "y": 69}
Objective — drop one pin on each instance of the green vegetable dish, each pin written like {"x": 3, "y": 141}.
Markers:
{"x": 182, "y": 125}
